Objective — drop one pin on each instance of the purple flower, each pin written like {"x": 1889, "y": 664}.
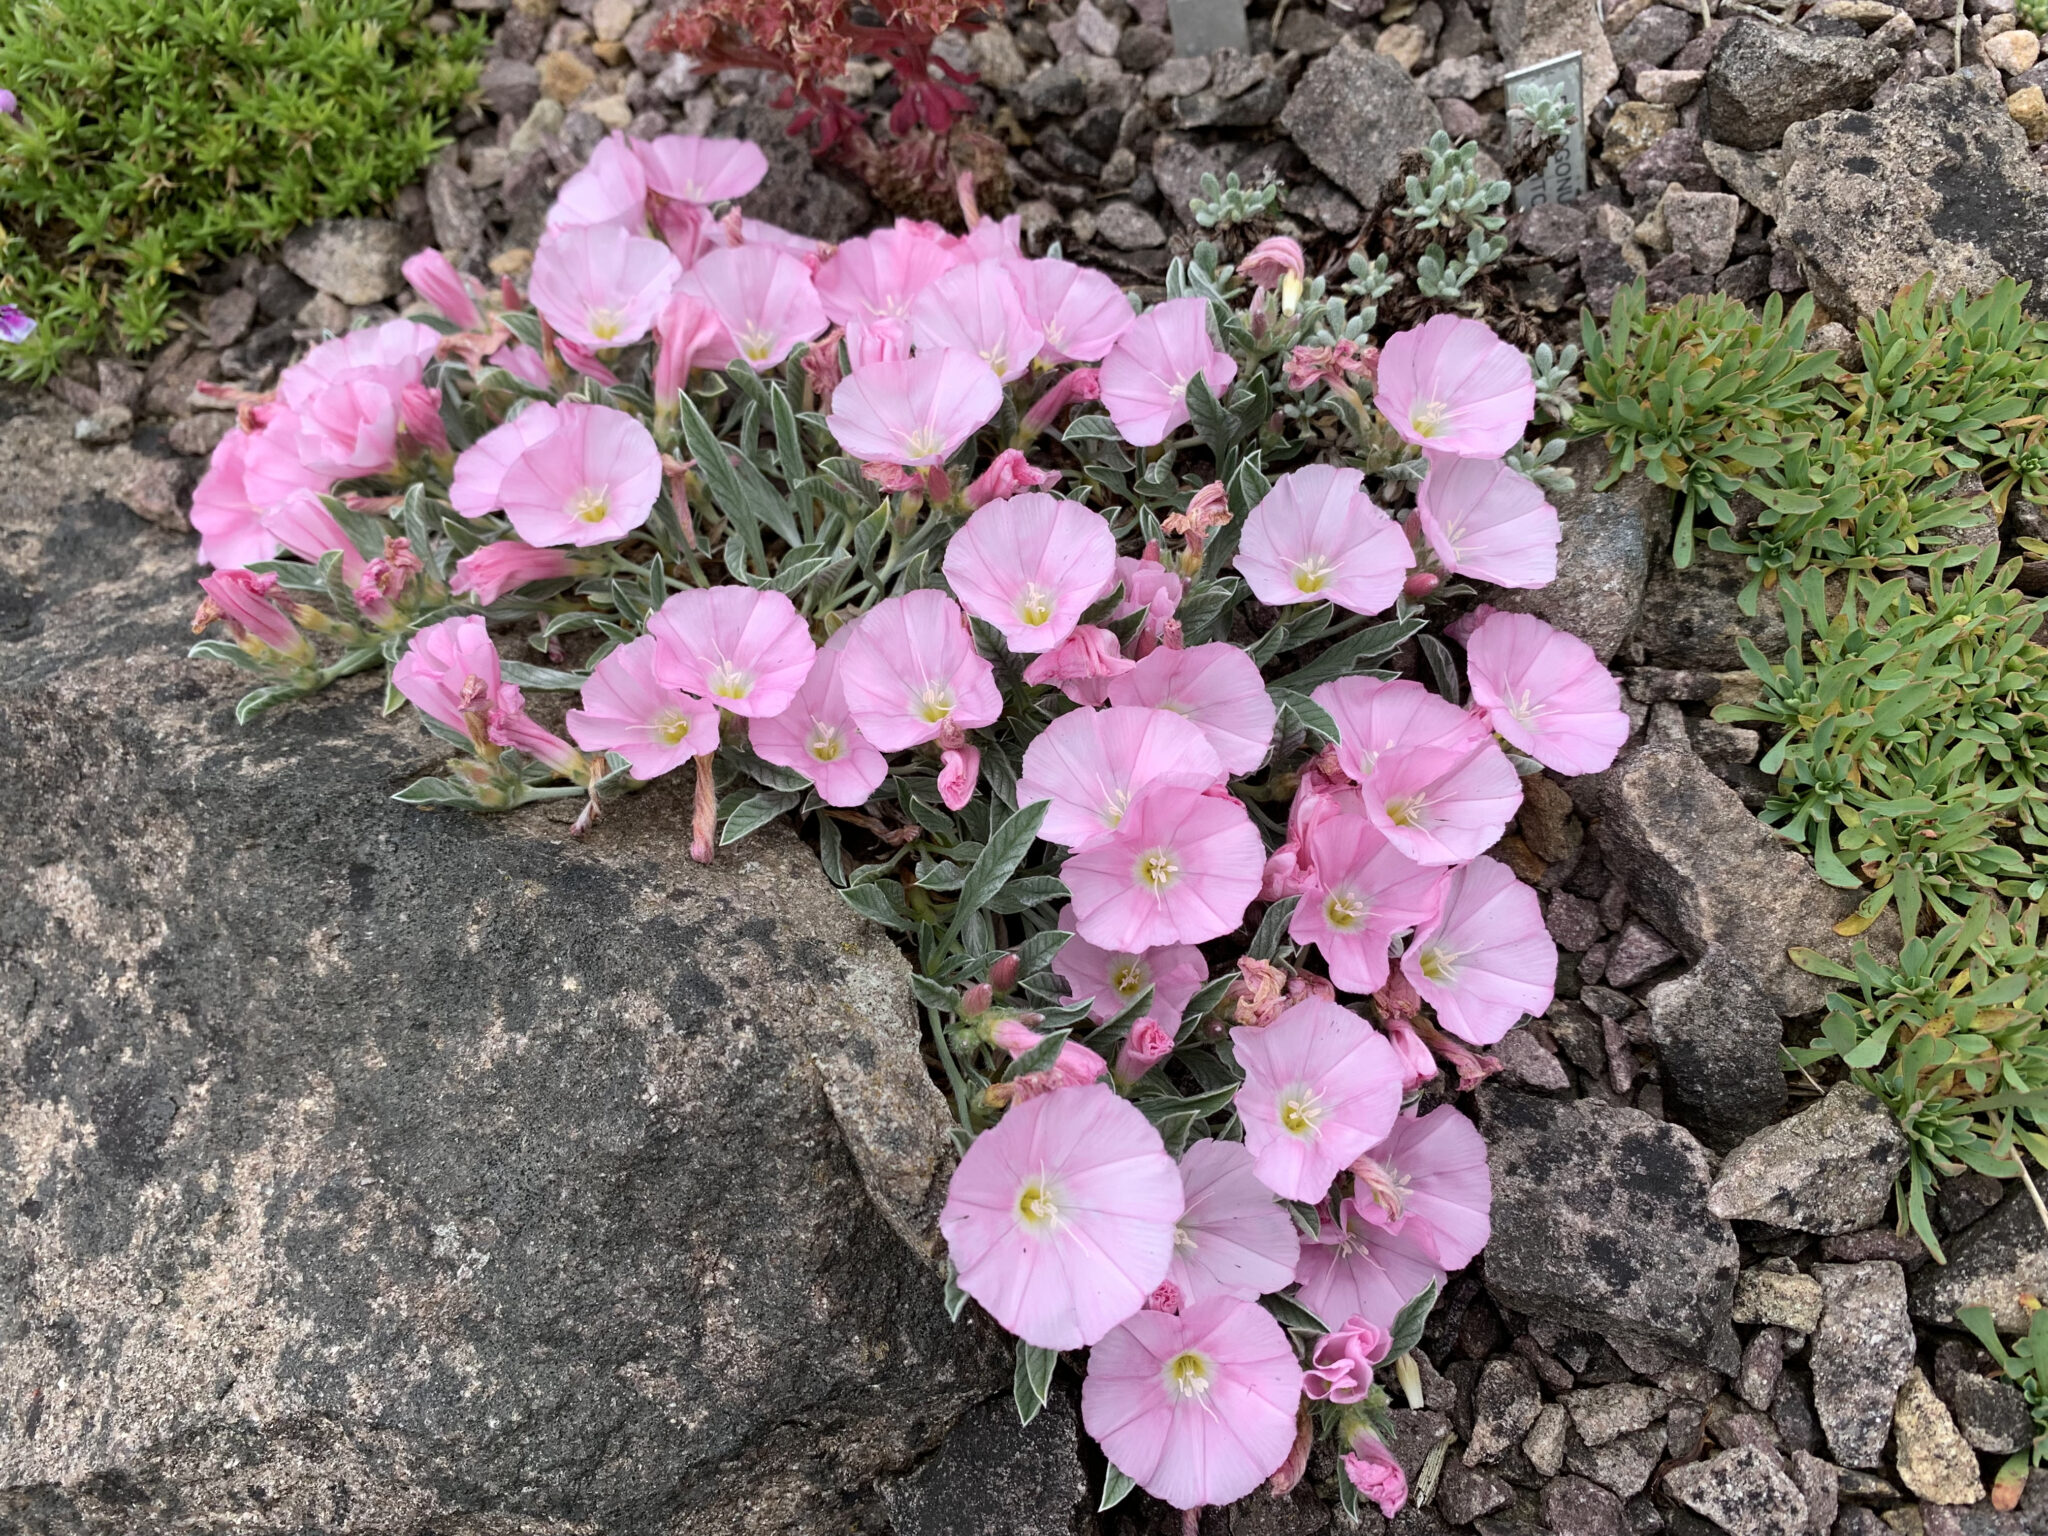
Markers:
{"x": 15, "y": 327}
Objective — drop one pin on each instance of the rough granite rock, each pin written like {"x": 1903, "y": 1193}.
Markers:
{"x": 1826, "y": 1170}
{"x": 1936, "y": 179}
{"x": 1997, "y": 1261}
{"x": 996, "y": 1477}
{"x": 356, "y": 260}
{"x": 1531, "y": 31}
{"x": 1600, "y": 1221}
{"x": 1935, "y": 1461}
{"x": 1689, "y": 618}
{"x": 412, "y": 1172}
{"x": 1764, "y": 78}
{"x": 1744, "y": 1492}
{"x": 795, "y": 193}
{"x": 1992, "y": 1415}
{"x": 1717, "y": 1039}
{"x": 1778, "y": 1299}
{"x": 1354, "y": 113}
{"x": 1860, "y": 1356}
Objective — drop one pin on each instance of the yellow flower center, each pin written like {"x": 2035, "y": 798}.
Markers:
{"x": 1344, "y": 910}
{"x": 1158, "y": 869}
{"x": 1129, "y": 979}
{"x": 935, "y": 704}
{"x": 730, "y": 682}
{"x": 1406, "y": 810}
{"x": 605, "y": 324}
{"x": 757, "y": 343}
{"x": 1300, "y": 1111}
{"x": 1438, "y": 964}
{"x": 825, "y": 744}
{"x": 1035, "y": 605}
{"x": 1429, "y": 418}
{"x": 1036, "y": 1206}
{"x": 590, "y": 505}
{"x": 671, "y": 726}
{"x": 923, "y": 443}
{"x": 1314, "y": 573}
{"x": 1187, "y": 1374}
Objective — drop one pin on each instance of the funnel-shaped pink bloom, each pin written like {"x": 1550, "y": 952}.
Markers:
{"x": 506, "y": 565}
{"x": 611, "y": 189}
{"x": 914, "y": 412}
{"x": 1218, "y": 687}
{"x": 449, "y": 669}
{"x": 303, "y": 525}
{"x": 1340, "y": 1368}
{"x": 743, "y": 648}
{"x": 1485, "y": 521}
{"x": 1546, "y": 692}
{"x": 879, "y": 276}
{"x": 600, "y": 286}
{"x": 629, "y": 710}
{"x": 1081, "y": 311}
{"x": 1320, "y": 1086}
{"x": 1429, "y": 1181}
{"x": 242, "y": 600}
{"x": 434, "y": 278}
{"x": 1485, "y": 958}
{"x": 1093, "y": 762}
{"x": 1317, "y": 537}
{"x": 1145, "y": 375}
{"x": 592, "y": 479}
{"x": 271, "y": 466}
{"x": 697, "y": 170}
{"x": 1180, "y": 868}
{"x": 1376, "y": 716}
{"x": 1075, "y": 1066}
{"x": 816, "y": 735}
{"x": 977, "y": 309}
{"x": 1452, "y": 386}
{"x": 1234, "y": 1238}
{"x": 1363, "y": 891}
{"x": 1354, "y": 1269}
{"x": 763, "y": 297}
{"x": 344, "y": 397}
{"x": 1442, "y": 807}
{"x": 522, "y": 362}
{"x": 1116, "y": 979}
{"x": 1198, "y": 1408}
{"x": 689, "y": 334}
{"x": 911, "y": 670}
{"x": 992, "y": 240}
{"x": 1059, "y": 1219}
{"x": 877, "y": 341}
{"x": 480, "y": 468}
{"x": 231, "y": 531}
{"x": 1030, "y": 565}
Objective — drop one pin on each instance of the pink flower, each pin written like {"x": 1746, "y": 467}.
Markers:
{"x": 1452, "y": 386}
{"x": 231, "y": 531}
{"x": 627, "y": 709}
{"x": 1218, "y": 687}
{"x": 1116, "y": 979}
{"x": 434, "y": 278}
{"x": 1180, "y": 868}
{"x": 508, "y": 725}
{"x": 1030, "y": 565}
{"x": 696, "y": 170}
{"x": 689, "y": 334}
{"x": 878, "y": 276}
{"x": 342, "y": 398}
{"x": 1417, "y": 1065}
{"x": 1059, "y": 1219}
{"x": 1092, "y": 763}
{"x": 763, "y": 297}
{"x": 1485, "y": 521}
{"x": 1340, "y": 1368}
{"x": 384, "y": 580}
{"x": 523, "y": 363}
{"x": 242, "y": 600}
{"x": 1375, "y": 716}
{"x": 1197, "y": 1408}
{"x": 1082, "y": 665}
{"x": 1320, "y": 1086}
{"x": 592, "y": 479}
{"x": 1145, "y": 376}
{"x": 1148, "y": 584}
{"x": 1354, "y": 1269}
{"x": 1255, "y": 998}
{"x": 1442, "y": 807}
{"x": 1374, "y": 1472}
{"x": 914, "y": 412}
{"x": 1317, "y": 537}
{"x": 271, "y": 464}
{"x": 1546, "y": 692}
{"x": 743, "y": 648}
{"x": 507, "y": 565}
{"x": 1148, "y": 1044}
{"x": 992, "y": 240}
{"x": 1074, "y": 1066}
{"x": 1485, "y": 958}
{"x": 601, "y": 286}
{"x": 911, "y": 670}
{"x": 1271, "y": 260}
{"x": 877, "y": 341}
{"x": 610, "y": 190}
{"x": 480, "y": 468}
{"x": 1429, "y": 1181}
{"x": 1166, "y": 1298}
{"x": 1070, "y": 388}
{"x": 1363, "y": 891}
{"x": 303, "y": 525}
{"x": 450, "y": 673}
{"x": 1008, "y": 474}
{"x": 816, "y": 735}
{"x": 959, "y": 772}
{"x": 977, "y": 309}
{"x": 1081, "y": 311}
{"x": 1233, "y": 1238}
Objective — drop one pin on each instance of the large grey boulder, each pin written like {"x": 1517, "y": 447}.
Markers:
{"x": 1764, "y": 78}
{"x": 399, "y": 1172}
{"x": 1936, "y": 179}
{"x": 1354, "y": 114}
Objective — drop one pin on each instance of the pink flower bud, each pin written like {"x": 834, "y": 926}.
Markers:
{"x": 1340, "y": 1369}
{"x": 1075, "y": 1067}
{"x": 1417, "y": 1065}
{"x": 1148, "y": 1044}
{"x": 1166, "y": 1299}
{"x": 959, "y": 771}
{"x": 241, "y": 599}
{"x": 1271, "y": 260}
{"x": 977, "y": 1000}
{"x": 1081, "y": 665}
{"x": 685, "y": 329}
{"x": 1008, "y": 475}
{"x": 420, "y": 408}
{"x": 1070, "y": 389}
{"x": 1376, "y": 1475}
{"x": 1461, "y": 629}
{"x": 508, "y": 725}
{"x": 509, "y": 564}
{"x": 434, "y": 278}
{"x": 1003, "y": 974}
{"x": 1421, "y": 584}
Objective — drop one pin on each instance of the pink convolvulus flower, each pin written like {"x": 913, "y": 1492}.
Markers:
{"x": 763, "y": 297}
{"x": 977, "y": 309}
{"x": 523, "y": 363}
{"x": 914, "y": 412}
{"x": 1074, "y": 1066}
{"x": 816, "y": 735}
{"x": 1218, "y": 687}
{"x": 611, "y": 189}
{"x": 1442, "y": 807}
{"x": 1320, "y": 1087}
{"x": 1354, "y": 1269}
{"x": 231, "y": 531}
{"x": 1452, "y": 386}
{"x": 1321, "y": 792}
{"x": 1258, "y": 996}
{"x": 480, "y": 468}
{"x": 507, "y": 565}
{"x": 991, "y": 240}
{"x": 910, "y": 671}
{"x": 342, "y": 399}
{"x": 509, "y": 725}
{"x": 434, "y": 278}
{"x": 1376, "y": 1474}
{"x": 1117, "y": 978}
{"x": 242, "y": 600}
{"x": 1149, "y": 585}
{"x": 1317, "y": 537}
{"x": 1340, "y": 1366}
{"x": 1081, "y": 311}
{"x": 1363, "y": 890}
{"x": 450, "y": 673}
{"x": 742, "y": 648}
{"x": 10, "y": 105}
{"x": 688, "y": 333}
{"x": 1146, "y": 374}
{"x": 1059, "y": 1219}
{"x": 600, "y": 286}
{"x": 1379, "y": 715}
{"x": 699, "y": 170}
{"x": 1546, "y": 692}
{"x": 1418, "y": 1066}
{"x": 16, "y": 326}
{"x": 879, "y": 276}
{"x": 627, "y": 709}
{"x": 1030, "y": 565}
{"x": 593, "y": 479}
{"x": 1233, "y": 1238}
{"x": 959, "y": 772}
{"x": 1081, "y": 666}
{"x": 1070, "y": 388}
{"x": 1009, "y": 474}
{"x": 303, "y": 525}
{"x": 1197, "y": 1408}
{"x": 1483, "y": 520}
{"x": 1485, "y": 958}
{"x": 1272, "y": 261}
{"x": 1429, "y": 1181}
{"x": 1148, "y": 1044}
{"x": 877, "y": 341}
{"x": 1180, "y": 868}
{"x": 1093, "y": 762}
